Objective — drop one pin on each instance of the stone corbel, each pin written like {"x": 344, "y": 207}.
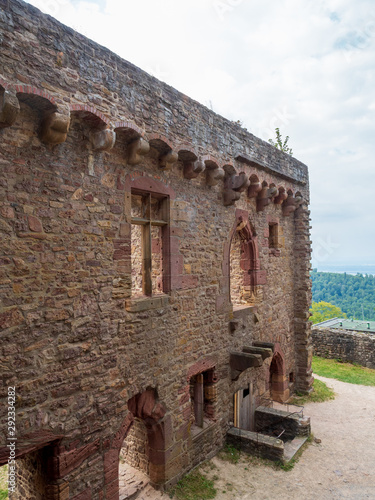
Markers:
{"x": 291, "y": 204}
{"x": 281, "y": 197}
{"x": 102, "y": 140}
{"x": 193, "y": 168}
{"x": 214, "y": 176}
{"x": 168, "y": 160}
{"x": 254, "y": 189}
{"x": 54, "y": 127}
{"x": 140, "y": 147}
{"x": 265, "y": 196}
{"x": 230, "y": 197}
{"x": 9, "y": 109}
{"x": 234, "y": 185}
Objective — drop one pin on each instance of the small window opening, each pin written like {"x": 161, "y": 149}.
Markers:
{"x": 291, "y": 377}
{"x": 273, "y": 236}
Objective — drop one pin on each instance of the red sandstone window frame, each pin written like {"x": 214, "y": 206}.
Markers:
{"x": 146, "y": 221}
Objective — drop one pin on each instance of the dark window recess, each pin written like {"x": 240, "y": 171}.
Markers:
{"x": 273, "y": 236}
{"x": 203, "y": 397}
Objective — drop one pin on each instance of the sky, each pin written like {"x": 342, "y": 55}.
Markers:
{"x": 305, "y": 66}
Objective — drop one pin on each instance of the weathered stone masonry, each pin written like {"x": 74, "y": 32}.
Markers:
{"x": 354, "y": 347}
{"x": 93, "y": 149}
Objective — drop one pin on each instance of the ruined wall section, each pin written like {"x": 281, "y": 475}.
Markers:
{"x": 353, "y": 347}
{"x": 73, "y": 342}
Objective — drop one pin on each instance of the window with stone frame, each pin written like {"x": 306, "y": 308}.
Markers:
{"x": 203, "y": 397}
{"x": 149, "y": 243}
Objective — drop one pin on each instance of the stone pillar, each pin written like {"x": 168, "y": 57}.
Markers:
{"x": 302, "y": 300}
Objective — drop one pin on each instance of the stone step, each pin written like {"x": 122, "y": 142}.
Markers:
{"x": 292, "y": 447}
{"x": 267, "y": 345}
{"x": 265, "y": 352}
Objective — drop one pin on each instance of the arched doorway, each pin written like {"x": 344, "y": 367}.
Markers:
{"x": 29, "y": 471}
{"x": 142, "y": 453}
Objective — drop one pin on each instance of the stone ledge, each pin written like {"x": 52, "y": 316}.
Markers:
{"x": 139, "y": 304}
{"x": 243, "y": 311}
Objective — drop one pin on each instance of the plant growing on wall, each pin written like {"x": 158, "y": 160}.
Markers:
{"x": 280, "y": 144}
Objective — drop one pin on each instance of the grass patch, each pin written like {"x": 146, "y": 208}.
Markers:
{"x": 3, "y": 482}
{"x": 320, "y": 394}
{"x": 346, "y": 372}
{"x": 194, "y": 486}
{"x": 230, "y": 454}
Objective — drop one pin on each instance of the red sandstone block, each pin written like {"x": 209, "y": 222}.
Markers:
{"x": 122, "y": 432}
{"x": 242, "y": 213}
{"x": 112, "y": 490}
{"x": 155, "y": 245}
{"x": 73, "y": 459}
{"x": 174, "y": 245}
{"x": 177, "y": 231}
{"x": 176, "y": 265}
{"x": 120, "y": 254}
{"x": 185, "y": 398}
{"x": 156, "y": 438}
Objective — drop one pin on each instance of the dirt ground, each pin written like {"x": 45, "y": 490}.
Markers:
{"x": 341, "y": 467}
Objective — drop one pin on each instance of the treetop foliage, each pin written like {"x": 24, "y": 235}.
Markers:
{"x": 349, "y": 293}
{"x": 321, "y": 311}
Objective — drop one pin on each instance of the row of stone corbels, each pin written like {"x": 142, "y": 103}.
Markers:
{"x": 55, "y": 124}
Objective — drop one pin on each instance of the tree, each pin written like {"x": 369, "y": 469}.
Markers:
{"x": 279, "y": 144}
{"x": 321, "y": 311}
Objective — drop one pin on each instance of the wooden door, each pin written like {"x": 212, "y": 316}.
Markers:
{"x": 242, "y": 409}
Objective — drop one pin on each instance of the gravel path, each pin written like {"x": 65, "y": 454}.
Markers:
{"x": 341, "y": 467}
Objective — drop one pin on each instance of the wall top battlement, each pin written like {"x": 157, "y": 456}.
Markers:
{"x": 38, "y": 51}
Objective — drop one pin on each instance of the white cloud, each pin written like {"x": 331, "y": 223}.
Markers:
{"x": 307, "y": 67}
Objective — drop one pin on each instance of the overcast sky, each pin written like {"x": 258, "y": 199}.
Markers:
{"x": 305, "y": 66}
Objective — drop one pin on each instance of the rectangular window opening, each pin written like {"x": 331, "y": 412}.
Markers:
{"x": 149, "y": 243}
{"x": 203, "y": 398}
{"x": 273, "y": 236}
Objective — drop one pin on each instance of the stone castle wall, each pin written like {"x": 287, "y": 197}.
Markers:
{"x": 354, "y": 347}
{"x": 80, "y": 129}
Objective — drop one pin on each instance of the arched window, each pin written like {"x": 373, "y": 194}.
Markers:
{"x": 244, "y": 264}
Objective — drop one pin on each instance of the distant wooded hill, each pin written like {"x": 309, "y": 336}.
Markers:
{"x": 346, "y": 291}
